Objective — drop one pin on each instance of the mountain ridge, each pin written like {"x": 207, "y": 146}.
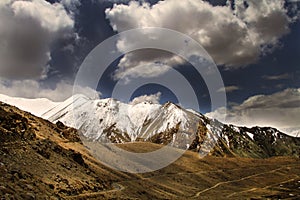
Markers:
{"x": 109, "y": 120}
{"x": 42, "y": 160}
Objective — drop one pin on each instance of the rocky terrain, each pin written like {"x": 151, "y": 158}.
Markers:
{"x": 42, "y": 160}
{"x": 39, "y": 159}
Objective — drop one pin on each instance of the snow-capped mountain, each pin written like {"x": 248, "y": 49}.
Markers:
{"x": 36, "y": 107}
{"x": 120, "y": 122}
{"x": 110, "y": 120}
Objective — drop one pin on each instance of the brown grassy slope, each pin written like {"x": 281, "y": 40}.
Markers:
{"x": 40, "y": 159}
{"x": 216, "y": 178}
{"x": 45, "y": 161}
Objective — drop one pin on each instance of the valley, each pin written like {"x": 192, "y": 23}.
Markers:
{"x": 43, "y": 160}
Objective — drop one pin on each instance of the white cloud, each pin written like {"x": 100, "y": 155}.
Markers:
{"x": 278, "y": 77}
{"x": 71, "y": 5}
{"x": 267, "y": 19}
{"x": 143, "y": 69}
{"x": 153, "y": 98}
{"x": 280, "y": 110}
{"x": 27, "y": 29}
{"x": 228, "y": 89}
{"x": 33, "y": 89}
{"x": 120, "y": 1}
{"x": 233, "y": 38}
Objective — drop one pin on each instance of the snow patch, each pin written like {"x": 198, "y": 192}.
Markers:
{"x": 250, "y": 135}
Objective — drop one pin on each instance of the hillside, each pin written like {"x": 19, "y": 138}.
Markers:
{"x": 41, "y": 160}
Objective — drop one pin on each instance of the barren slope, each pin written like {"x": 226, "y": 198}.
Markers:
{"x": 41, "y": 160}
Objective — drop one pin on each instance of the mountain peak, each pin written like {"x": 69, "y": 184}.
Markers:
{"x": 118, "y": 122}
{"x": 171, "y": 105}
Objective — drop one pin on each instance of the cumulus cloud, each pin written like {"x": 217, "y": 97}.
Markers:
{"x": 71, "y": 5}
{"x": 280, "y": 110}
{"x": 33, "y": 89}
{"x": 234, "y": 35}
{"x": 153, "y": 98}
{"x": 143, "y": 69}
{"x": 27, "y": 29}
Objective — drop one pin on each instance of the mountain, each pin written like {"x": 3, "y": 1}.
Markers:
{"x": 39, "y": 159}
{"x": 42, "y": 160}
{"x": 121, "y": 122}
{"x": 36, "y": 107}
{"x": 109, "y": 120}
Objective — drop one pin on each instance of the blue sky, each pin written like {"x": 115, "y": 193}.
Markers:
{"x": 273, "y": 72}
{"x": 93, "y": 28}
{"x": 51, "y": 51}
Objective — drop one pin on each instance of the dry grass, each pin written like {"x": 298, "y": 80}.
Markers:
{"x": 25, "y": 173}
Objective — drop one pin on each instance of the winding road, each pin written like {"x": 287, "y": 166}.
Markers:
{"x": 237, "y": 180}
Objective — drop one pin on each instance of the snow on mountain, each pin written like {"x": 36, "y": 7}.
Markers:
{"x": 110, "y": 120}
{"x": 34, "y": 106}
{"x": 94, "y": 117}
{"x": 55, "y": 113}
